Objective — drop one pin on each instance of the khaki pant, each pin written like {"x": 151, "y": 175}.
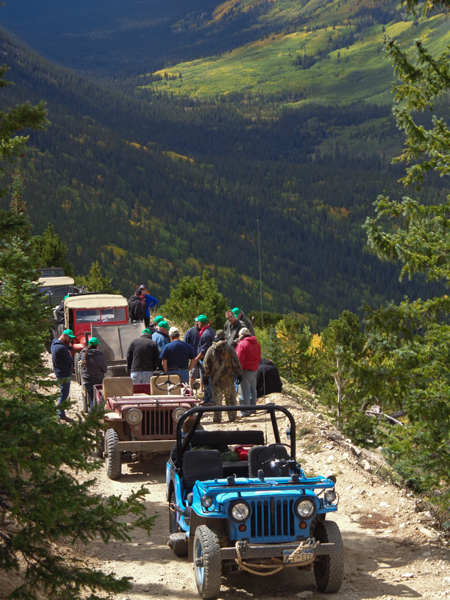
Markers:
{"x": 229, "y": 394}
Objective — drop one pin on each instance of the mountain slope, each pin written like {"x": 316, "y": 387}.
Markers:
{"x": 335, "y": 58}
{"x": 327, "y": 51}
{"x": 156, "y": 191}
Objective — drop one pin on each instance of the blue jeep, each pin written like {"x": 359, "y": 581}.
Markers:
{"x": 261, "y": 514}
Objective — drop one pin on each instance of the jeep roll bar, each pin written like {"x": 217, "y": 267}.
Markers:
{"x": 184, "y": 442}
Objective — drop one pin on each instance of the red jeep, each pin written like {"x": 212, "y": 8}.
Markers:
{"x": 141, "y": 419}
{"x": 104, "y": 316}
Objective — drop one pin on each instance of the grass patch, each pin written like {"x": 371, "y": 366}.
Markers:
{"x": 303, "y": 431}
{"x": 312, "y": 448}
{"x": 349, "y": 65}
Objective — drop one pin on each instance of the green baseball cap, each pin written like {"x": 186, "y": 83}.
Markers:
{"x": 146, "y": 331}
{"x": 163, "y": 324}
{"x": 158, "y": 319}
{"x": 236, "y": 312}
{"x": 202, "y": 319}
{"x": 93, "y": 341}
{"x": 69, "y": 332}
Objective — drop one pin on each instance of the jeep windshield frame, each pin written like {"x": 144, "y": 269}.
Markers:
{"x": 184, "y": 442}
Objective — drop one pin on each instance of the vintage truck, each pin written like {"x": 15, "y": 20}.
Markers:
{"x": 258, "y": 512}
{"x": 141, "y": 419}
{"x": 55, "y": 285}
{"x": 104, "y": 316}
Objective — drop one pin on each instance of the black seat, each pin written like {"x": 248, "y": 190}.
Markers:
{"x": 201, "y": 465}
{"x": 259, "y": 457}
{"x": 227, "y": 438}
{"x": 235, "y": 467}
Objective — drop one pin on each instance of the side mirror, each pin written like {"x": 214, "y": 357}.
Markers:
{"x": 196, "y": 386}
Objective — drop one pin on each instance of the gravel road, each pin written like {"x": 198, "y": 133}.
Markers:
{"x": 391, "y": 550}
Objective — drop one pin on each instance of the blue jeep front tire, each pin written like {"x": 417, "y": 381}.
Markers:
{"x": 329, "y": 569}
{"x": 207, "y": 565}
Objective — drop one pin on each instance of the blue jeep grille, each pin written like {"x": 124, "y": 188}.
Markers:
{"x": 272, "y": 518}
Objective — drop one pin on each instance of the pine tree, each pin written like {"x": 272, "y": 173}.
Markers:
{"x": 42, "y": 502}
{"x": 52, "y": 251}
{"x": 95, "y": 281}
{"x": 342, "y": 346}
{"x": 409, "y": 343}
{"x": 195, "y": 296}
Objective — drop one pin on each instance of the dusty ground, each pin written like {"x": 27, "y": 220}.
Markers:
{"x": 391, "y": 551}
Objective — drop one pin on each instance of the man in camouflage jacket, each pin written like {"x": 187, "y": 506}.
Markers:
{"x": 222, "y": 366}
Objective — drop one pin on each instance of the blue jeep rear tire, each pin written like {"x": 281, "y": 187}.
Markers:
{"x": 207, "y": 564}
{"x": 180, "y": 547}
{"x": 329, "y": 569}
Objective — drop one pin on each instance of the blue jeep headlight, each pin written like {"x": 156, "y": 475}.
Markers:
{"x": 305, "y": 509}
{"x": 330, "y": 496}
{"x": 239, "y": 511}
{"x": 206, "y": 501}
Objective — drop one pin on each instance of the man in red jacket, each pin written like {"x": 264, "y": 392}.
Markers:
{"x": 249, "y": 353}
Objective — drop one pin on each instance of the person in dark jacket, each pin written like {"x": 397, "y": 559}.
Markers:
{"x": 93, "y": 368}
{"x": 142, "y": 358}
{"x": 207, "y": 336}
{"x": 268, "y": 379}
{"x": 135, "y": 309}
{"x": 239, "y": 314}
{"x": 63, "y": 366}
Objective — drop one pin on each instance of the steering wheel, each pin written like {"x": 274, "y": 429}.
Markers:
{"x": 277, "y": 463}
{"x": 168, "y": 385}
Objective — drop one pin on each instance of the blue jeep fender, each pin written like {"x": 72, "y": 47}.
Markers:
{"x": 219, "y": 526}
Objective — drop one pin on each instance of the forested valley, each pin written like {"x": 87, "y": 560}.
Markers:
{"x": 155, "y": 190}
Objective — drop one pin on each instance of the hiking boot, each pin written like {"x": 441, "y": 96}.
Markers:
{"x": 66, "y": 418}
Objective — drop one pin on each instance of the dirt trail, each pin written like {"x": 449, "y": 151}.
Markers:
{"x": 391, "y": 551}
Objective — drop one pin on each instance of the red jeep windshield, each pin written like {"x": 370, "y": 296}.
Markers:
{"x": 105, "y": 315}
{"x": 91, "y": 315}
{"x": 114, "y": 315}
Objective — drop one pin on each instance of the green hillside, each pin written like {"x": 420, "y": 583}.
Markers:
{"x": 331, "y": 53}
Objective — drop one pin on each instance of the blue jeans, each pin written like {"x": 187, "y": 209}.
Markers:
{"x": 89, "y": 387}
{"x": 208, "y": 388}
{"x": 64, "y": 394}
{"x": 183, "y": 373}
{"x": 247, "y": 388}
{"x": 141, "y": 376}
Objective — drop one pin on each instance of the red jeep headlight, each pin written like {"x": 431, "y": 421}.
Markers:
{"x": 134, "y": 416}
